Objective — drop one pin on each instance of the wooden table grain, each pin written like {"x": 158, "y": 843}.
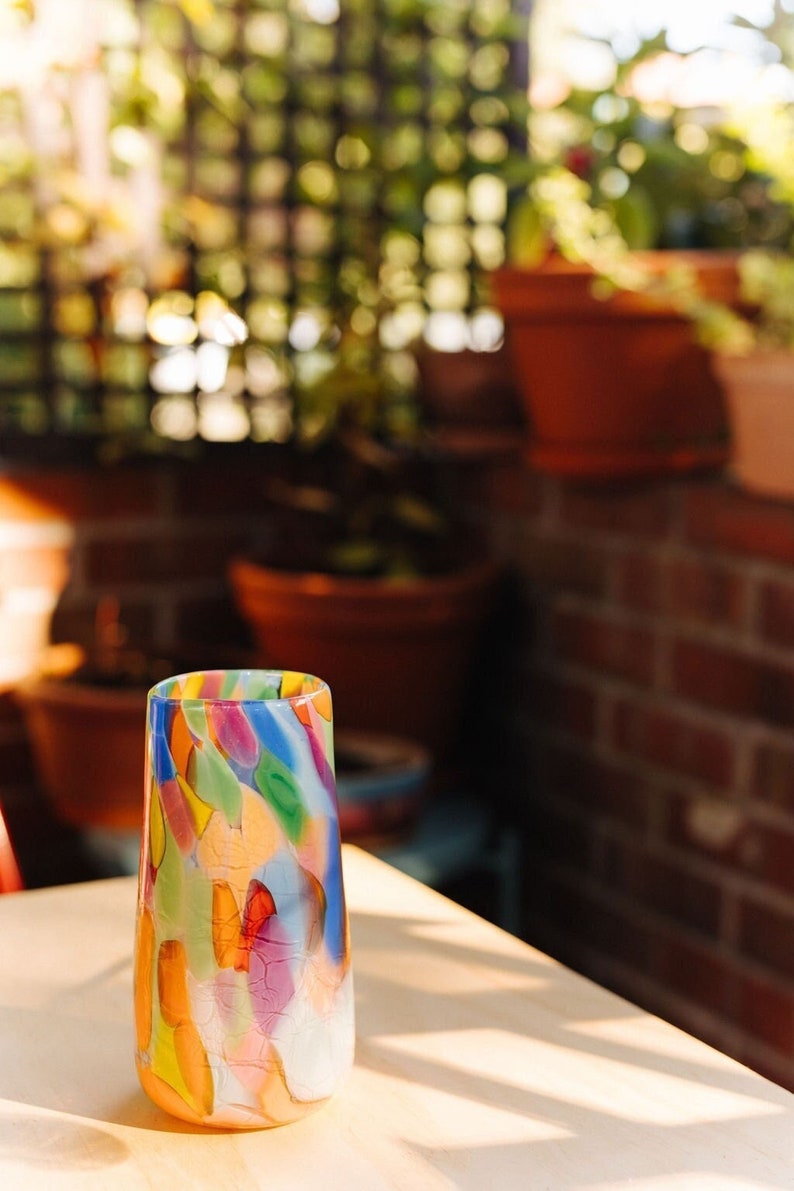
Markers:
{"x": 480, "y": 1064}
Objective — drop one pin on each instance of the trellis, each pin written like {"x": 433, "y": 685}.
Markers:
{"x": 336, "y": 176}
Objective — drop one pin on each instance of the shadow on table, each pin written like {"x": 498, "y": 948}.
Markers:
{"x": 586, "y": 1082}
{"x": 58, "y": 1143}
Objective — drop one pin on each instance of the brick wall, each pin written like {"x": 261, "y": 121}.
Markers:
{"x": 647, "y": 743}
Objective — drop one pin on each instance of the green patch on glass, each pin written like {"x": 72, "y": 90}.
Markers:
{"x": 216, "y": 784}
{"x": 279, "y": 787}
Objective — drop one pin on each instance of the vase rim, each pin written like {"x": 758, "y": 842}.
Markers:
{"x": 239, "y": 685}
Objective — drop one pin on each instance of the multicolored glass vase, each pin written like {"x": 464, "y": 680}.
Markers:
{"x": 243, "y": 987}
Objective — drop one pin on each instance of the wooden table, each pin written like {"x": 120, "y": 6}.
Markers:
{"x": 480, "y": 1064}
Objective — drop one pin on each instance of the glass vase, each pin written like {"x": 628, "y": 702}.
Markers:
{"x": 243, "y": 988}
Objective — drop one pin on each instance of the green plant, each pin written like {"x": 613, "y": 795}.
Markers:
{"x": 764, "y": 319}
{"x": 357, "y": 505}
{"x": 335, "y": 175}
{"x": 613, "y": 169}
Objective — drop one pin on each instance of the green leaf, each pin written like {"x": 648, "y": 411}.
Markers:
{"x": 527, "y": 235}
{"x": 636, "y": 219}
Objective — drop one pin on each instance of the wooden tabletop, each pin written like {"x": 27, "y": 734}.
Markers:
{"x": 480, "y": 1064}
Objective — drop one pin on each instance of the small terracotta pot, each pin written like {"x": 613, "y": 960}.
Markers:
{"x": 614, "y": 387}
{"x": 759, "y": 390}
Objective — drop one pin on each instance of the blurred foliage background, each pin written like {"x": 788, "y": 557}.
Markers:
{"x": 335, "y": 175}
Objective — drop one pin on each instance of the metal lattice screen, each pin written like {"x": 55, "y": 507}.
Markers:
{"x": 336, "y": 174}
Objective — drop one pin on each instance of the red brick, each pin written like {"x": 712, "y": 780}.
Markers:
{"x": 693, "y": 972}
{"x": 707, "y": 593}
{"x": 768, "y": 1013}
{"x": 601, "y": 789}
{"x": 775, "y": 864}
{"x": 646, "y": 512}
{"x": 776, "y": 613}
{"x": 227, "y": 487}
{"x": 583, "y": 917}
{"x": 211, "y": 620}
{"x": 562, "y": 703}
{"x": 605, "y": 645}
{"x": 206, "y": 554}
{"x": 563, "y": 565}
{"x": 674, "y": 741}
{"x": 733, "y": 681}
{"x": 663, "y": 886}
{"x": 640, "y": 581}
{"x": 76, "y": 495}
{"x": 559, "y": 836}
{"x": 513, "y": 488}
{"x": 767, "y": 935}
{"x": 773, "y": 774}
{"x": 723, "y": 518}
{"x": 153, "y": 556}
{"x": 724, "y": 833}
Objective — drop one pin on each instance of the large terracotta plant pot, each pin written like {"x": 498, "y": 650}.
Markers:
{"x": 395, "y": 654}
{"x": 759, "y": 391}
{"x": 614, "y": 387}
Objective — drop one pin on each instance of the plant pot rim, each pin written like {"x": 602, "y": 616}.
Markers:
{"x": 653, "y": 259}
{"x": 562, "y": 288}
{"x": 386, "y": 759}
{"x": 471, "y": 574}
{"x": 758, "y": 355}
{"x": 52, "y": 684}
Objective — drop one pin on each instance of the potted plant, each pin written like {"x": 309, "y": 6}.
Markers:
{"x": 752, "y": 342}
{"x": 365, "y": 582}
{"x": 631, "y": 206}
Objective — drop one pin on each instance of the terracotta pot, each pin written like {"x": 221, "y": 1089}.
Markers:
{"x": 88, "y": 743}
{"x": 759, "y": 391}
{"x": 614, "y": 387}
{"x": 396, "y": 655}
